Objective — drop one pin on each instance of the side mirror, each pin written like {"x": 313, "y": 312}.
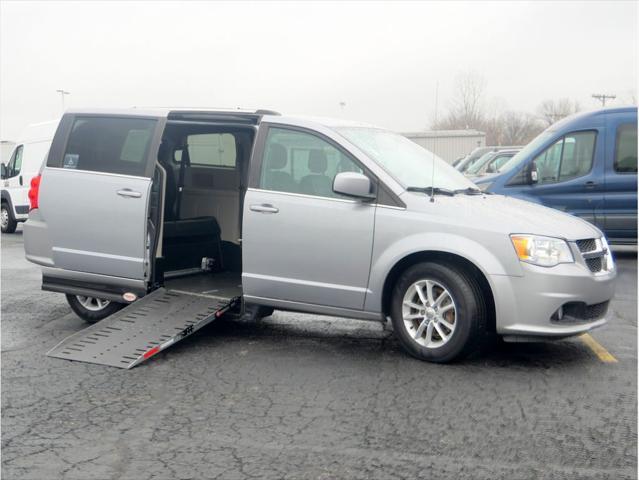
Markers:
{"x": 353, "y": 184}
{"x": 3, "y": 171}
{"x": 533, "y": 176}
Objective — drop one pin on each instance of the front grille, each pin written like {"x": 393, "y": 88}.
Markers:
{"x": 580, "y": 312}
{"x": 595, "y": 264}
{"x": 587, "y": 245}
{"x": 593, "y": 253}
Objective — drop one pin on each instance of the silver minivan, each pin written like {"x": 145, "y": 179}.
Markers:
{"x": 308, "y": 215}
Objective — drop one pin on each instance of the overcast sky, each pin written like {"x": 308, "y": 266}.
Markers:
{"x": 383, "y": 60}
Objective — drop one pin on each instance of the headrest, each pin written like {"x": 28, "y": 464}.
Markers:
{"x": 317, "y": 161}
{"x": 276, "y": 157}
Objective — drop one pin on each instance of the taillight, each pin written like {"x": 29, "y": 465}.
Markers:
{"x": 34, "y": 192}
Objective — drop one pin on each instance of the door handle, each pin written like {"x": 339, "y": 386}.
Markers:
{"x": 590, "y": 184}
{"x": 127, "y": 192}
{"x": 20, "y": 180}
{"x": 264, "y": 208}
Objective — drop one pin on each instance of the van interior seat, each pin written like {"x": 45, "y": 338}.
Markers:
{"x": 185, "y": 240}
{"x": 317, "y": 182}
{"x": 274, "y": 177}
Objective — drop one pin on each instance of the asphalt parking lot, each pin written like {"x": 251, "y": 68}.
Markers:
{"x": 299, "y": 396}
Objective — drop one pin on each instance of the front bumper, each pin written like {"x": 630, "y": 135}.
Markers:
{"x": 524, "y": 305}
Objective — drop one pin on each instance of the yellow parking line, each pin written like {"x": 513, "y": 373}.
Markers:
{"x": 603, "y": 354}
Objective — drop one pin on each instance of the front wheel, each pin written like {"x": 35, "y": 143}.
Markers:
{"x": 91, "y": 309}
{"x": 438, "y": 312}
{"x": 8, "y": 224}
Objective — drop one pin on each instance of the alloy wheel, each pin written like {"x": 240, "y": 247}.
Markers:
{"x": 429, "y": 313}
{"x": 93, "y": 304}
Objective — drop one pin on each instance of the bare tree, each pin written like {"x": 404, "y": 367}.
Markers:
{"x": 518, "y": 128}
{"x": 552, "y": 111}
{"x": 467, "y": 106}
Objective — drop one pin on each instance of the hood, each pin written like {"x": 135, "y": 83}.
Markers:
{"x": 507, "y": 215}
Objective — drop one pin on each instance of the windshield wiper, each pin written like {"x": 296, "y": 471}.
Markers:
{"x": 432, "y": 190}
{"x": 470, "y": 191}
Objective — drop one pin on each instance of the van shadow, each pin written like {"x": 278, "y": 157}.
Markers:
{"x": 325, "y": 337}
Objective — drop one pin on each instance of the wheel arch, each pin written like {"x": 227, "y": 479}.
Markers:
{"x": 446, "y": 258}
{"x": 5, "y": 197}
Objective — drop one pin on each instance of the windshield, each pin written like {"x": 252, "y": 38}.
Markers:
{"x": 406, "y": 161}
{"x": 479, "y": 163}
{"x": 525, "y": 152}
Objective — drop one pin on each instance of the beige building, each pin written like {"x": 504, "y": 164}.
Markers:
{"x": 449, "y": 144}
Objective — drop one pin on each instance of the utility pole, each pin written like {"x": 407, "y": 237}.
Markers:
{"x": 62, "y": 94}
{"x": 602, "y": 97}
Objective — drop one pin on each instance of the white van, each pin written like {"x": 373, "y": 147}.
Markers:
{"x": 24, "y": 164}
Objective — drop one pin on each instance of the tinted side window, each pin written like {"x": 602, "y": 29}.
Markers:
{"x": 298, "y": 162}
{"x": 578, "y": 152}
{"x": 569, "y": 157}
{"x": 548, "y": 163}
{"x": 626, "y": 148}
{"x": 113, "y": 145}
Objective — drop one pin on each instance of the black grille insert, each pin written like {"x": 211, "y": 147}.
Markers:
{"x": 587, "y": 245}
{"x": 580, "y": 312}
{"x": 595, "y": 264}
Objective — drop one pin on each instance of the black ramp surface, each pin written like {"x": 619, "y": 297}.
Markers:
{"x": 157, "y": 320}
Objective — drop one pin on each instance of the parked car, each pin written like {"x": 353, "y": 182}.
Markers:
{"x": 476, "y": 154}
{"x": 321, "y": 216}
{"x": 585, "y": 165}
{"x": 24, "y": 163}
{"x": 489, "y": 163}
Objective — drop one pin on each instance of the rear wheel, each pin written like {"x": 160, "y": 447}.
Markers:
{"x": 92, "y": 309}
{"x": 8, "y": 224}
{"x": 438, "y": 312}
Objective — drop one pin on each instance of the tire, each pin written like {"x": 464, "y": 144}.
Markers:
{"x": 89, "y": 309}
{"x": 467, "y": 316}
{"x": 7, "y": 222}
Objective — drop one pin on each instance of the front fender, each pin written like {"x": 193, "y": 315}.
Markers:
{"x": 484, "y": 259}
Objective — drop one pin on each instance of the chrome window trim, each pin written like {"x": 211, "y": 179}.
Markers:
{"x": 303, "y": 195}
{"x": 342, "y": 200}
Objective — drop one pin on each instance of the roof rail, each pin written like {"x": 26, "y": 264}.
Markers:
{"x": 267, "y": 112}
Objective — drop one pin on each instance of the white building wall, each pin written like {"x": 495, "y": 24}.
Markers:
{"x": 449, "y": 144}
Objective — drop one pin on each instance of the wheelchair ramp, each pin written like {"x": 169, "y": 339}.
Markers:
{"x": 142, "y": 329}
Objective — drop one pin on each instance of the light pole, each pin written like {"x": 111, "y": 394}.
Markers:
{"x": 62, "y": 94}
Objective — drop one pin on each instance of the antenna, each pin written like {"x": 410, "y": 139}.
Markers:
{"x": 432, "y": 179}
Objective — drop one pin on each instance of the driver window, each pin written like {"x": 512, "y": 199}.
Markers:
{"x": 299, "y": 162}
{"x": 548, "y": 163}
{"x": 15, "y": 164}
{"x": 569, "y": 157}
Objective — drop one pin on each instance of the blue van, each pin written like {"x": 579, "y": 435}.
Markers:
{"x": 585, "y": 165}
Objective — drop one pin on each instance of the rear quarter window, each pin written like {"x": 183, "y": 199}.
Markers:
{"x": 626, "y": 149}
{"x": 111, "y": 145}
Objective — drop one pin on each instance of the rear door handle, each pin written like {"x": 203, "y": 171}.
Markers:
{"x": 264, "y": 208}
{"x": 591, "y": 184}
{"x": 127, "y": 192}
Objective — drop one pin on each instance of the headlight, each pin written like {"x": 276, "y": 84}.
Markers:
{"x": 484, "y": 186}
{"x": 542, "y": 251}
